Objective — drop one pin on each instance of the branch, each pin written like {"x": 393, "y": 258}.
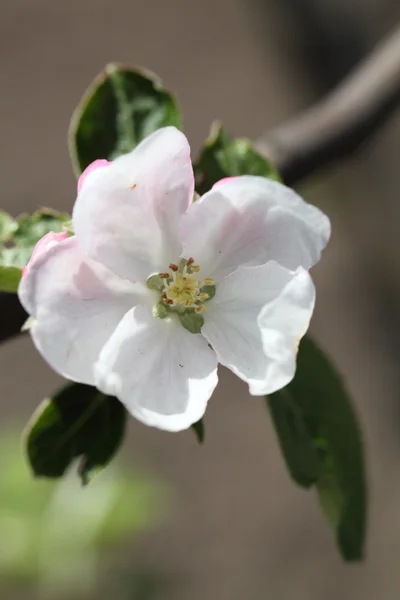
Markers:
{"x": 331, "y": 130}
{"x": 343, "y": 121}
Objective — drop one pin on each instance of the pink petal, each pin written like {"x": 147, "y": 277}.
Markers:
{"x": 46, "y": 242}
{"x": 97, "y": 164}
{"x": 222, "y": 181}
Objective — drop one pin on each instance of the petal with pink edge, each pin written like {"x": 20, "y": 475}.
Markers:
{"x": 76, "y": 305}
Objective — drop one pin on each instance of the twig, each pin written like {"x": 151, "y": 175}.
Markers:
{"x": 337, "y": 126}
{"x": 343, "y": 121}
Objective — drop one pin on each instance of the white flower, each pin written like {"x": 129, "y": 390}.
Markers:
{"x": 114, "y": 306}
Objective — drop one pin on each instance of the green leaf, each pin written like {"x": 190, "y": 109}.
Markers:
{"x": 295, "y": 441}
{"x": 329, "y": 418}
{"x": 223, "y": 156}
{"x": 79, "y": 421}
{"x": 9, "y": 279}
{"x": 18, "y": 237}
{"x": 120, "y": 108}
{"x": 199, "y": 430}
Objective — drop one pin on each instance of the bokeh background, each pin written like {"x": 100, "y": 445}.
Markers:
{"x": 233, "y": 525}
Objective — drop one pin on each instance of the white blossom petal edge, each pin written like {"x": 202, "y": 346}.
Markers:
{"x": 155, "y": 289}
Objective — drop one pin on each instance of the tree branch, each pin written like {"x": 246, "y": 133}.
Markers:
{"x": 331, "y": 130}
{"x": 343, "y": 121}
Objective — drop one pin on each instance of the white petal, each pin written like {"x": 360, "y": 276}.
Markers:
{"x": 163, "y": 374}
{"x": 255, "y": 322}
{"x": 76, "y": 304}
{"x": 250, "y": 220}
{"x": 126, "y": 215}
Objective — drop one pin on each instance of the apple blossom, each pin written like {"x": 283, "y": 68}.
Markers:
{"x": 154, "y": 289}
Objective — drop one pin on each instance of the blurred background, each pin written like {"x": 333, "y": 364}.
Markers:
{"x": 223, "y": 520}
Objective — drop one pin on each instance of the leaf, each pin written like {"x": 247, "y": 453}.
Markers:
{"x": 295, "y": 441}
{"x": 199, "y": 430}
{"x": 329, "y": 418}
{"x": 120, "y": 108}
{"x": 79, "y": 421}
{"x": 18, "y": 237}
{"x": 223, "y": 156}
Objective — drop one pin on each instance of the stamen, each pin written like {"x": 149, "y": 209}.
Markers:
{"x": 133, "y": 186}
{"x": 207, "y": 281}
{"x": 173, "y": 267}
{"x": 203, "y": 297}
{"x": 199, "y": 309}
{"x": 189, "y": 262}
{"x": 164, "y": 275}
{"x": 196, "y": 268}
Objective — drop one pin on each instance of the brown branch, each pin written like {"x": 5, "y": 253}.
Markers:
{"x": 331, "y": 130}
{"x": 343, "y": 121}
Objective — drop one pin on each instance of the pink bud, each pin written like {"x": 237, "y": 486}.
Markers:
{"x": 97, "y": 164}
{"x": 46, "y": 242}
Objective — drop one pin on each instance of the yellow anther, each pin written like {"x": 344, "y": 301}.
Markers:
{"x": 195, "y": 268}
{"x": 209, "y": 281}
{"x": 199, "y": 309}
{"x": 133, "y": 186}
{"x": 203, "y": 297}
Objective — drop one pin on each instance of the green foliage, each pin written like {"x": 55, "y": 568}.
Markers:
{"x": 79, "y": 421}
{"x": 18, "y": 238}
{"x": 316, "y": 421}
{"x": 121, "y": 107}
{"x": 223, "y": 156}
{"x": 52, "y": 532}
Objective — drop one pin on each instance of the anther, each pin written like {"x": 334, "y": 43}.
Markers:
{"x": 207, "y": 281}
{"x": 199, "y": 309}
{"x": 203, "y": 297}
{"x": 163, "y": 275}
{"x": 196, "y": 268}
{"x": 173, "y": 267}
{"x": 189, "y": 262}
{"x": 133, "y": 186}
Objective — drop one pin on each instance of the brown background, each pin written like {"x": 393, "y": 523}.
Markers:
{"x": 240, "y": 528}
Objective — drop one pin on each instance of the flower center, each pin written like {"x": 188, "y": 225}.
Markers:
{"x": 182, "y": 291}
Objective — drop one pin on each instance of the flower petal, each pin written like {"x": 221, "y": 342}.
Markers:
{"x": 163, "y": 374}
{"x": 96, "y": 164}
{"x": 250, "y": 220}
{"x": 76, "y": 304}
{"x": 127, "y": 214}
{"x": 43, "y": 245}
{"x": 256, "y": 320}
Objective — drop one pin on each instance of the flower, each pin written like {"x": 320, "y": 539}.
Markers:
{"x": 154, "y": 289}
